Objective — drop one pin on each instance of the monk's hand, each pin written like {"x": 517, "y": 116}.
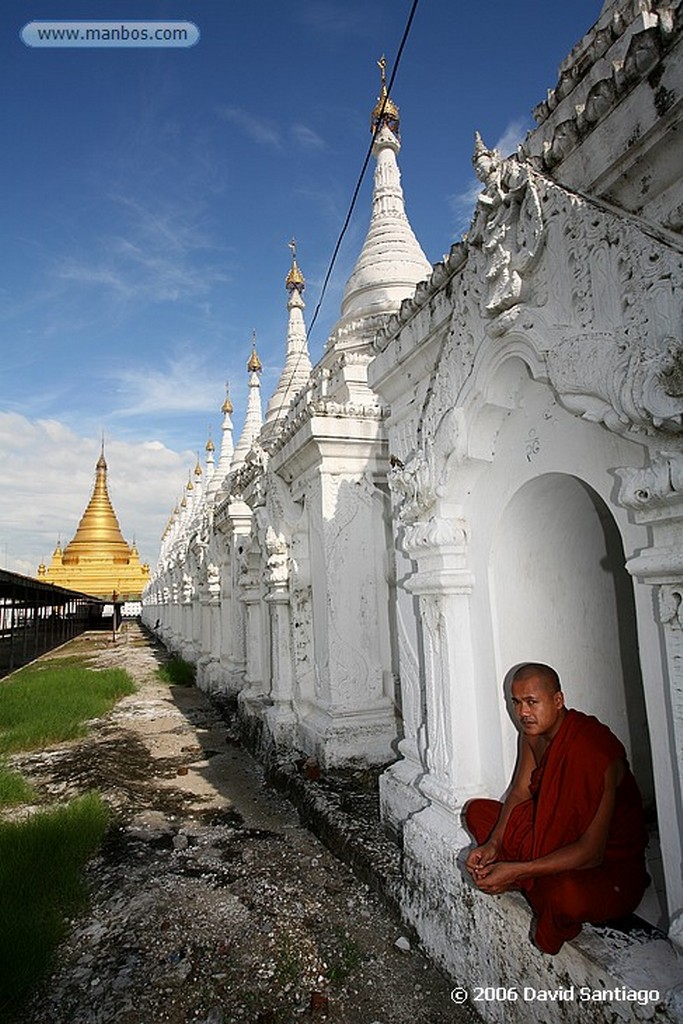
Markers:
{"x": 496, "y": 878}
{"x": 481, "y": 857}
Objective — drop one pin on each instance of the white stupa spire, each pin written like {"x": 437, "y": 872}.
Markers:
{"x": 391, "y": 262}
{"x": 227, "y": 449}
{"x": 210, "y": 449}
{"x": 198, "y": 497}
{"x": 254, "y": 416}
{"x": 297, "y": 369}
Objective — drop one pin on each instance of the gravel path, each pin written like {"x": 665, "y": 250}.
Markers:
{"x": 210, "y": 902}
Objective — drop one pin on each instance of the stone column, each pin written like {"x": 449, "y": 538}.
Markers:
{"x": 209, "y": 604}
{"x": 234, "y": 628}
{"x": 280, "y": 716}
{"x": 655, "y": 495}
{"x": 443, "y": 584}
{"x": 251, "y": 595}
{"x": 187, "y": 595}
{"x": 174, "y": 636}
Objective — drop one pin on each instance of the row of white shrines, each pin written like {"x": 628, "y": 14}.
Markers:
{"x": 484, "y": 468}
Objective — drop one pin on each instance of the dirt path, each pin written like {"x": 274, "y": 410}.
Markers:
{"x": 210, "y": 903}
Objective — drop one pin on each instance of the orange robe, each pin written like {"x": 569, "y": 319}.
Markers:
{"x": 566, "y": 791}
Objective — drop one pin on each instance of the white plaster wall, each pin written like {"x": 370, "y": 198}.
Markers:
{"x": 545, "y": 569}
{"x": 554, "y": 594}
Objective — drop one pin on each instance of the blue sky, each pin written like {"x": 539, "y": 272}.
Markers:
{"x": 148, "y": 196}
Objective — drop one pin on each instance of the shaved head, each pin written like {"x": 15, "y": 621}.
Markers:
{"x": 547, "y": 675}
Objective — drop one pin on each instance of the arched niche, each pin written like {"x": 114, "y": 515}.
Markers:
{"x": 561, "y": 595}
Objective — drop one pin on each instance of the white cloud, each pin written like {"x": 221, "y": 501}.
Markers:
{"x": 307, "y": 138}
{"x": 155, "y": 257}
{"x": 257, "y": 128}
{"x": 185, "y": 384}
{"x": 512, "y": 136}
{"x": 47, "y": 473}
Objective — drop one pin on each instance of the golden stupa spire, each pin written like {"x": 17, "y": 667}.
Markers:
{"x": 99, "y": 528}
{"x": 254, "y": 365}
{"x": 294, "y": 279}
{"x": 385, "y": 111}
{"x": 98, "y": 560}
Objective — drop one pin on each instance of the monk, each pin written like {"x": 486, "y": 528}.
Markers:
{"x": 570, "y": 834}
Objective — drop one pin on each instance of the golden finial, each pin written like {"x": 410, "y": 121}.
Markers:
{"x": 227, "y": 406}
{"x": 189, "y": 485}
{"x": 254, "y": 365}
{"x": 385, "y": 111}
{"x": 210, "y": 446}
{"x": 294, "y": 279}
{"x": 197, "y": 469}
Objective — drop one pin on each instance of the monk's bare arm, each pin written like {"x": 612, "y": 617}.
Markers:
{"x": 588, "y": 851}
{"x": 487, "y": 853}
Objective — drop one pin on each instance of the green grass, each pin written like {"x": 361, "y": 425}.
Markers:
{"x": 177, "y": 672}
{"x": 14, "y": 789}
{"x": 51, "y": 701}
{"x": 41, "y": 861}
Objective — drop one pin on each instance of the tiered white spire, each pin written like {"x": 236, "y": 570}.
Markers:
{"x": 297, "y": 369}
{"x": 227, "y": 448}
{"x": 254, "y": 417}
{"x": 391, "y": 262}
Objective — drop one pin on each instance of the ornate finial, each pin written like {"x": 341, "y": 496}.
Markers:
{"x": 254, "y": 365}
{"x": 385, "y": 111}
{"x": 210, "y": 446}
{"x": 227, "y": 406}
{"x": 198, "y": 469}
{"x": 189, "y": 486}
{"x": 294, "y": 279}
{"x": 101, "y": 462}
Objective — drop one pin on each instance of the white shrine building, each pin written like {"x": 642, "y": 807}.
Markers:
{"x": 484, "y": 468}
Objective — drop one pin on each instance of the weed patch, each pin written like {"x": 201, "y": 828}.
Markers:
{"x": 49, "y": 702}
{"x": 14, "y": 789}
{"x": 41, "y": 860}
{"x": 177, "y": 672}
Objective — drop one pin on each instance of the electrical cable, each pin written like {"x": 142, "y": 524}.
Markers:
{"x": 361, "y": 176}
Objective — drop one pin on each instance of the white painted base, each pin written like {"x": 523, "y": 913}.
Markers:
{"x": 399, "y": 797}
{"x": 483, "y": 943}
{"x": 337, "y": 739}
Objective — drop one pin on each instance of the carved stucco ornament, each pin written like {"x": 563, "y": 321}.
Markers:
{"x": 277, "y": 565}
{"x": 508, "y": 228}
{"x": 620, "y": 383}
{"x": 422, "y": 483}
{"x": 659, "y": 485}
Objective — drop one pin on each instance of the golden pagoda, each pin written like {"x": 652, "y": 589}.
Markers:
{"x": 98, "y": 560}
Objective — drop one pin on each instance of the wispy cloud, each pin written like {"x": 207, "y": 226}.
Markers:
{"x": 334, "y": 19}
{"x": 462, "y": 203}
{"x": 307, "y": 138}
{"x": 258, "y": 129}
{"x": 161, "y": 257}
{"x": 185, "y": 385}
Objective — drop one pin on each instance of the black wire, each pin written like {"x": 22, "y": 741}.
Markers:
{"x": 363, "y": 169}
